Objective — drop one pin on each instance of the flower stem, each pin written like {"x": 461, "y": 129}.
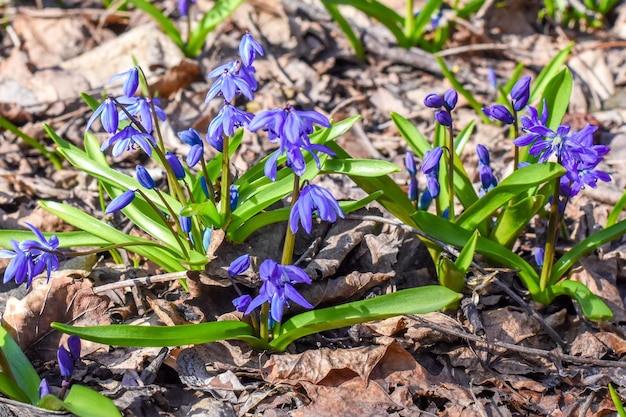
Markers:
{"x": 515, "y": 147}
{"x": 451, "y": 174}
{"x": 409, "y": 21}
{"x": 553, "y": 229}
{"x": 290, "y": 237}
{"x": 225, "y": 185}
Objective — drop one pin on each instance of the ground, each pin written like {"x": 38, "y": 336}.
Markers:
{"x": 492, "y": 357}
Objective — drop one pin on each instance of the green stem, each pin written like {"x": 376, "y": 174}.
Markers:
{"x": 551, "y": 238}
{"x": 515, "y": 147}
{"x": 209, "y": 183}
{"x": 409, "y": 20}
{"x": 225, "y": 185}
{"x": 264, "y": 331}
{"x": 451, "y": 174}
{"x": 167, "y": 224}
{"x": 290, "y": 237}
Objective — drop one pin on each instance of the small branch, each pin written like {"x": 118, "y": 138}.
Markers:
{"x": 154, "y": 279}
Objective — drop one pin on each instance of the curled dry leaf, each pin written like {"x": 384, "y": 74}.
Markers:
{"x": 65, "y": 300}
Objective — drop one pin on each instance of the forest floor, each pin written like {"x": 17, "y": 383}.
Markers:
{"x": 439, "y": 364}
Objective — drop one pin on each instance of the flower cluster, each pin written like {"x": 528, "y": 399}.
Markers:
{"x": 520, "y": 94}
{"x": 487, "y": 179}
{"x": 448, "y": 101}
{"x": 313, "y": 198}
{"x": 277, "y": 288}
{"x": 30, "y": 258}
{"x": 575, "y": 151}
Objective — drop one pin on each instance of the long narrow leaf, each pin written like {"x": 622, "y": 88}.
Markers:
{"x": 549, "y": 71}
{"x": 159, "y": 336}
{"x": 422, "y": 20}
{"x": 515, "y": 218}
{"x": 418, "y": 300}
{"x": 66, "y": 239}
{"x": 359, "y": 167}
{"x": 557, "y": 95}
{"x": 592, "y": 306}
{"x": 85, "y": 402}
{"x": 166, "y": 24}
{"x": 25, "y": 375}
{"x": 346, "y": 28}
{"x": 30, "y": 141}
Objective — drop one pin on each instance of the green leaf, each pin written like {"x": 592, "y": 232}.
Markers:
{"x": 456, "y": 84}
{"x": 449, "y": 275}
{"x": 617, "y": 401}
{"x": 345, "y": 27}
{"x": 422, "y": 20}
{"x": 77, "y": 218}
{"x": 166, "y": 24}
{"x": 160, "y": 336}
{"x": 9, "y": 388}
{"x": 266, "y": 218}
{"x": 452, "y": 234}
{"x": 206, "y": 208}
{"x": 557, "y": 94}
{"x": 25, "y": 375}
{"x": 549, "y": 71}
{"x": 66, "y": 239}
{"x": 85, "y": 402}
{"x": 512, "y": 186}
{"x": 465, "y": 258}
{"x": 515, "y": 218}
{"x": 90, "y": 101}
{"x": 592, "y": 306}
{"x": 378, "y": 11}
{"x": 216, "y": 15}
{"x": 584, "y": 247}
{"x": 462, "y": 139}
{"x": 616, "y": 211}
{"x": 359, "y": 167}
{"x": 411, "y": 301}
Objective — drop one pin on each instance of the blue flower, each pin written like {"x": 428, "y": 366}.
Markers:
{"x": 107, "y": 111}
{"x": 144, "y": 178}
{"x": 520, "y": 93}
{"x": 409, "y": 163}
{"x": 177, "y": 167}
{"x": 500, "y": 113}
{"x": 443, "y": 117}
{"x": 234, "y": 197}
{"x": 129, "y": 139}
{"x": 277, "y": 288}
{"x": 492, "y": 77}
{"x": 66, "y": 362}
{"x": 227, "y": 121}
{"x": 539, "y": 254}
{"x": 242, "y": 302}
{"x": 290, "y": 127}
{"x": 483, "y": 154}
{"x": 120, "y": 201}
{"x": 192, "y": 138}
{"x": 434, "y": 101}
{"x": 313, "y": 198}
{"x": 131, "y": 81}
{"x": 450, "y": 99}
{"x": 185, "y": 223}
{"x": 30, "y": 258}
{"x": 141, "y": 107}
{"x": 239, "y": 265}
{"x": 413, "y": 191}
{"x": 430, "y": 168}
{"x": 44, "y": 388}
{"x": 487, "y": 179}
{"x": 248, "y": 49}
{"x": 229, "y": 82}
{"x": 183, "y": 6}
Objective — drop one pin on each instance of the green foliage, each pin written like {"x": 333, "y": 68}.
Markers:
{"x": 587, "y": 14}
{"x": 220, "y": 11}
{"x": 410, "y": 301}
{"x": 617, "y": 401}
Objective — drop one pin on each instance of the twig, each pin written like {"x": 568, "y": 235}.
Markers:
{"x": 154, "y": 279}
{"x": 554, "y": 356}
{"x": 472, "y": 48}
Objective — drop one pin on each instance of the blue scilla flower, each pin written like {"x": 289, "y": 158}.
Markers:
{"x": 227, "y": 121}
{"x": 248, "y": 49}
{"x": 234, "y": 197}
{"x": 290, "y": 128}
{"x": 129, "y": 139}
{"x": 487, "y": 178}
{"x": 66, "y": 362}
{"x": 443, "y": 117}
{"x": 120, "y": 201}
{"x": 141, "y": 107}
{"x": 277, "y": 288}
{"x": 229, "y": 81}
{"x": 520, "y": 93}
{"x": 579, "y": 175}
{"x": 144, "y": 178}
{"x": 183, "y": 6}
{"x": 239, "y": 265}
{"x": 107, "y": 111}
{"x": 450, "y": 98}
{"x": 314, "y": 198}
{"x": 44, "y": 388}
{"x": 131, "y": 81}
{"x": 196, "y": 152}
{"x": 500, "y": 113}
{"x": 409, "y": 163}
{"x": 242, "y": 302}
{"x": 434, "y": 101}
{"x": 177, "y": 167}
{"x": 430, "y": 168}
{"x": 30, "y": 258}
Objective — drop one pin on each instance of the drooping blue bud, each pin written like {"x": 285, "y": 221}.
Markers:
{"x": 185, "y": 223}
{"x": 234, "y": 197}
{"x": 190, "y": 137}
{"x": 500, "y": 113}
{"x": 450, "y": 99}
{"x": 434, "y": 101}
{"x": 443, "y": 117}
{"x": 66, "y": 362}
{"x": 73, "y": 344}
{"x": 144, "y": 178}
{"x": 44, "y": 388}
{"x": 120, "y": 202}
{"x": 413, "y": 189}
{"x": 409, "y": 163}
{"x": 483, "y": 154}
{"x": 176, "y": 166}
{"x": 242, "y": 302}
{"x": 520, "y": 94}
{"x": 239, "y": 265}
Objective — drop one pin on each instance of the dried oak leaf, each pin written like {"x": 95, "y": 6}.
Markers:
{"x": 64, "y": 300}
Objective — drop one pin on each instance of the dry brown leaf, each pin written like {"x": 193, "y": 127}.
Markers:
{"x": 509, "y": 325}
{"x": 64, "y": 300}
